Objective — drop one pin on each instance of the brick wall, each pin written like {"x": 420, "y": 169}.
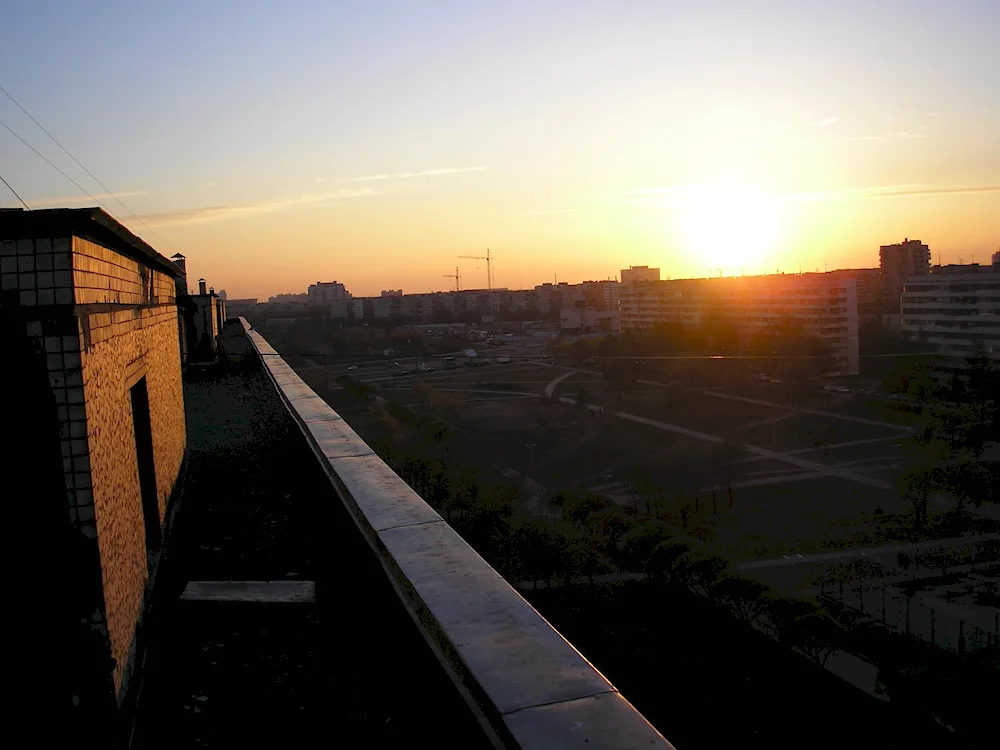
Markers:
{"x": 119, "y": 348}
{"x": 105, "y": 321}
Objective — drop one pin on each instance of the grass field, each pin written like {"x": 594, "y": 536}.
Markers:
{"x": 800, "y": 482}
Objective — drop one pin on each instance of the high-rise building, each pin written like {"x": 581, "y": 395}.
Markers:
{"x": 821, "y": 304}
{"x": 325, "y": 292}
{"x": 640, "y": 273}
{"x": 898, "y": 262}
{"x": 954, "y": 308}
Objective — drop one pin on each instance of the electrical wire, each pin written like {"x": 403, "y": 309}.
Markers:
{"x": 14, "y": 192}
{"x": 39, "y": 153}
{"x": 103, "y": 187}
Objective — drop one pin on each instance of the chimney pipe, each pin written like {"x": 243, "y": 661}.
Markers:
{"x": 201, "y": 287}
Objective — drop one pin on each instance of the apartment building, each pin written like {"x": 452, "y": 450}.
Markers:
{"x": 955, "y": 308}
{"x": 898, "y": 262}
{"x": 822, "y": 304}
{"x": 633, "y": 274}
{"x": 325, "y": 292}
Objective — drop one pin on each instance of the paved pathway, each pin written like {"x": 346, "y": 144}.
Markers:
{"x": 846, "y": 554}
{"x": 833, "y": 446}
{"x": 797, "y": 409}
{"x": 757, "y": 450}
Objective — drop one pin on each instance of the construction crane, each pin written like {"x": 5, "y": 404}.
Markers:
{"x": 453, "y": 276}
{"x": 489, "y": 272}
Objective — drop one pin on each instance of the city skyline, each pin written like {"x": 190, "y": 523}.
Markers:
{"x": 375, "y": 145}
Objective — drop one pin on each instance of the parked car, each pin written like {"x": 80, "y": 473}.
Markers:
{"x": 352, "y": 367}
{"x": 843, "y": 389}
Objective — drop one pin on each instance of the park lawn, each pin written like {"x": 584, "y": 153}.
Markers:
{"x": 794, "y": 431}
{"x": 809, "y": 516}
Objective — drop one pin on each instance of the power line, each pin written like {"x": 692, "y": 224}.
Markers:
{"x": 103, "y": 187}
{"x": 14, "y": 192}
{"x": 39, "y": 153}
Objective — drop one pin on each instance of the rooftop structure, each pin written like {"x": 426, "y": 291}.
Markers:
{"x": 91, "y": 336}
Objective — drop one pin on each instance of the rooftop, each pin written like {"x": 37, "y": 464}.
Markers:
{"x": 308, "y": 592}
{"x": 94, "y": 224}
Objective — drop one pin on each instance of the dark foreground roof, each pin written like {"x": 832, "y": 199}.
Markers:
{"x": 93, "y": 224}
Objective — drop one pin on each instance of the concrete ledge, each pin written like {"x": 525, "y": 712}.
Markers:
{"x": 527, "y": 684}
{"x": 250, "y": 591}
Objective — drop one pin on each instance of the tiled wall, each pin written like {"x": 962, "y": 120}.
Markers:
{"x": 94, "y": 355}
{"x": 40, "y": 269}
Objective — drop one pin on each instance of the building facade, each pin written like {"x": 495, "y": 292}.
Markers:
{"x": 633, "y": 274}
{"x": 91, "y": 311}
{"x": 821, "y": 304}
{"x": 898, "y": 262}
{"x": 588, "y": 320}
{"x": 322, "y": 293}
{"x": 954, "y": 308}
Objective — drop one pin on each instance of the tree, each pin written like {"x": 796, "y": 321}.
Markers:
{"x": 962, "y": 415}
{"x": 664, "y": 557}
{"x": 743, "y": 598}
{"x": 611, "y": 523}
{"x": 536, "y": 545}
{"x": 815, "y": 635}
{"x": 785, "y": 612}
{"x": 576, "y": 507}
{"x": 699, "y": 573}
{"x": 638, "y": 544}
{"x": 916, "y": 486}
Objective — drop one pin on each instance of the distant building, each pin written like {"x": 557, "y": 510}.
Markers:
{"x": 322, "y": 293}
{"x": 955, "y": 308}
{"x": 898, "y": 262}
{"x": 589, "y": 320}
{"x": 241, "y": 307}
{"x": 633, "y": 274}
{"x": 392, "y": 293}
{"x": 288, "y": 301}
{"x": 821, "y": 304}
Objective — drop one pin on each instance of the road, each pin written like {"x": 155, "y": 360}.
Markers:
{"x": 872, "y": 552}
{"x": 707, "y": 437}
{"x": 796, "y": 409}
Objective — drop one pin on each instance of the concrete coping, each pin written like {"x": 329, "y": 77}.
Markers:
{"x": 527, "y": 685}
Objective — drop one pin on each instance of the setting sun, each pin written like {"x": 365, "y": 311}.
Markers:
{"x": 731, "y": 229}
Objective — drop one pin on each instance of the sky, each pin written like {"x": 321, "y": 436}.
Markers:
{"x": 279, "y": 144}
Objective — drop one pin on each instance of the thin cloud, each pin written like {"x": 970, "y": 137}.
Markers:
{"x": 549, "y": 212}
{"x": 406, "y": 175}
{"x": 891, "y": 191}
{"x": 82, "y": 199}
{"x": 900, "y": 135}
{"x": 242, "y": 210}
{"x": 680, "y": 195}
{"x": 826, "y": 122}
{"x": 434, "y": 172}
